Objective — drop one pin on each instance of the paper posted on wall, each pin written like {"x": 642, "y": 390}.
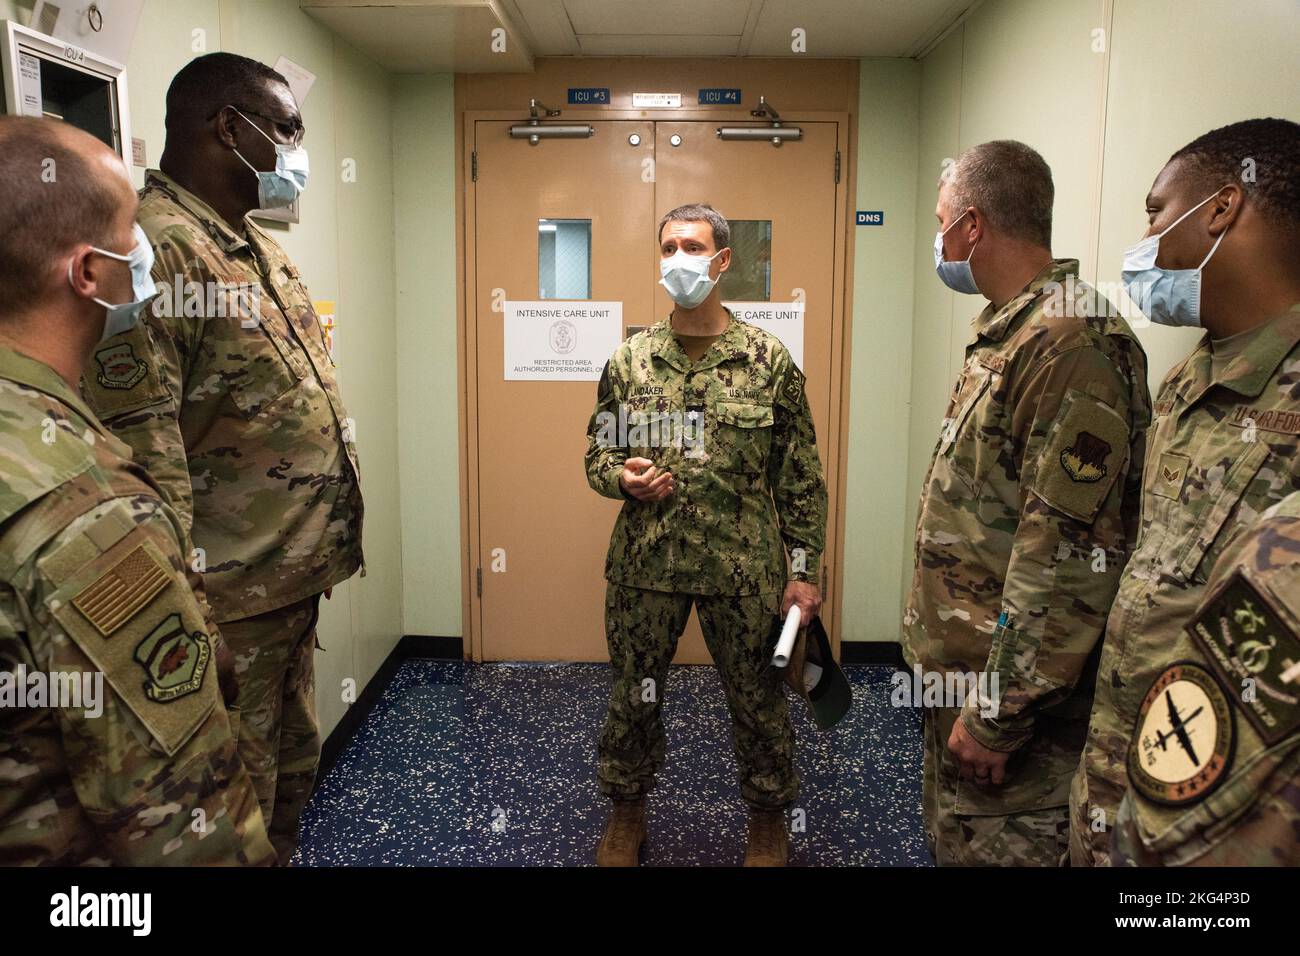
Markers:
{"x": 557, "y": 341}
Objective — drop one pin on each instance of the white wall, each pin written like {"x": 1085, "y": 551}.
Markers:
{"x": 428, "y": 366}
{"x": 877, "y": 490}
{"x": 936, "y": 341}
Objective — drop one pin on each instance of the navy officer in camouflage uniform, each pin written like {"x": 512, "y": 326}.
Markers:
{"x": 702, "y": 427}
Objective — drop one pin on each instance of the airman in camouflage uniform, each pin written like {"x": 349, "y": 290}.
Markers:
{"x": 733, "y": 428}
{"x": 1024, "y": 523}
{"x": 1225, "y": 443}
{"x": 1010, "y": 521}
{"x": 115, "y": 746}
{"x": 1226, "y": 793}
{"x": 92, "y": 580}
{"x": 1223, "y": 449}
{"x": 228, "y": 396}
{"x": 238, "y": 418}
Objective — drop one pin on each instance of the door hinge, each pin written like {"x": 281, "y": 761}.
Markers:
{"x": 473, "y": 173}
{"x": 480, "y": 582}
{"x": 837, "y": 167}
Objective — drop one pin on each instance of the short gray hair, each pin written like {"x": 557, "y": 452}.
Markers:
{"x": 1009, "y": 183}
{"x": 700, "y": 212}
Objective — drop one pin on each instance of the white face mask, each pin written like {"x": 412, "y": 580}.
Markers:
{"x": 687, "y": 277}
{"x": 280, "y": 187}
{"x": 123, "y": 318}
{"x": 1165, "y": 296}
{"x": 955, "y": 275}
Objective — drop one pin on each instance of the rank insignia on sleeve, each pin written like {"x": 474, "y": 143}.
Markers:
{"x": 122, "y": 591}
{"x": 1171, "y": 471}
{"x": 1184, "y": 737}
{"x": 1085, "y": 460}
{"x": 1251, "y": 647}
{"x": 119, "y": 367}
{"x": 174, "y": 660}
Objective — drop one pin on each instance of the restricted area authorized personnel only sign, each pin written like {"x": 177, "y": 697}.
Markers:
{"x": 554, "y": 341}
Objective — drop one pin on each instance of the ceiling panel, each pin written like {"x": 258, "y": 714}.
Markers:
{"x": 853, "y": 28}
{"x": 435, "y": 36}
{"x": 413, "y": 36}
{"x": 662, "y": 17}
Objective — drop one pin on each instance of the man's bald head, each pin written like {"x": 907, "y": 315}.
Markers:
{"x": 60, "y": 188}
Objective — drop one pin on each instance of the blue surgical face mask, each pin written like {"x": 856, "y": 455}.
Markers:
{"x": 280, "y": 187}
{"x": 1165, "y": 296}
{"x": 123, "y": 318}
{"x": 955, "y": 275}
{"x": 687, "y": 277}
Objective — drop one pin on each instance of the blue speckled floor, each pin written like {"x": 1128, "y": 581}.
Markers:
{"x": 494, "y": 765}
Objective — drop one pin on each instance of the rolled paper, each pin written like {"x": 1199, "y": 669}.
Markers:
{"x": 781, "y": 656}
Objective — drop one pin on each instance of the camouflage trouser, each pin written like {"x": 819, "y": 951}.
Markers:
{"x": 642, "y": 628}
{"x": 1029, "y": 838}
{"x": 278, "y": 735}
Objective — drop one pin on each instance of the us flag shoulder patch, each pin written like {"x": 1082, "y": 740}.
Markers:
{"x": 122, "y": 591}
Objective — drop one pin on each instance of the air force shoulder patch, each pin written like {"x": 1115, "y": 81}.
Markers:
{"x": 1087, "y": 447}
{"x": 119, "y": 368}
{"x": 173, "y": 659}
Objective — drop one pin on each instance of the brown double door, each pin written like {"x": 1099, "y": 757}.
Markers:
{"x": 542, "y": 534}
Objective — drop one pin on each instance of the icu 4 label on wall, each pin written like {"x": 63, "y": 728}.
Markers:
{"x": 719, "y": 97}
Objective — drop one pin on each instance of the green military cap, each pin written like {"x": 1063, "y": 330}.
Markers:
{"x": 814, "y": 674}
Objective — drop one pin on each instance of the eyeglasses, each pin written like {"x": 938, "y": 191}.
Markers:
{"x": 291, "y": 129}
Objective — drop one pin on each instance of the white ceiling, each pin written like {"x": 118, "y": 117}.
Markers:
{"x": 436, "y": 36}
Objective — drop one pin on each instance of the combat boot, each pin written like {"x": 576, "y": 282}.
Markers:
{"x": 624, "y": 834}
{"x": 769, "y": 843}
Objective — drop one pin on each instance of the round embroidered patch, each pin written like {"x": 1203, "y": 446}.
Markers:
{"x": 1184, "y": 736}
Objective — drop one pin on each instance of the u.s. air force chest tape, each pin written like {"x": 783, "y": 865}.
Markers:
{"x": 1252, "y": 643}
{"x": 123, "y": 374}
{"x": 1087, "y": 447}
{"x": 117, "y": 597}
{"x": 1184, "y": 737}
